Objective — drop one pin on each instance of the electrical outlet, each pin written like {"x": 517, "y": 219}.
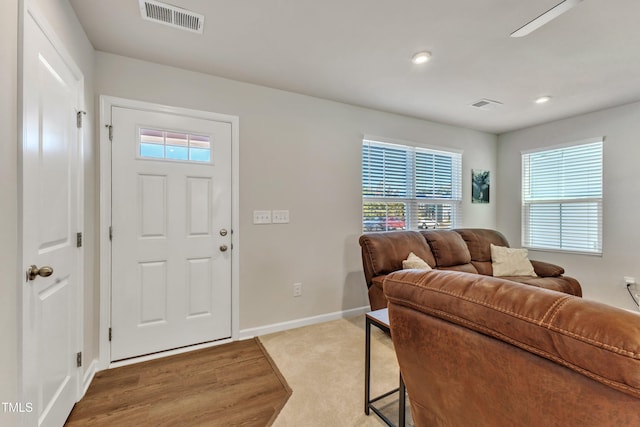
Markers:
{"x": 297, "y": 289}
{"x": 628, "y": 280}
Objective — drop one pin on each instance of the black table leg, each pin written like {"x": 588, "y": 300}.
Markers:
{"x": 380, "y": 320}
{"x": 367, "y": 366}
{"x": 402, "y": 403}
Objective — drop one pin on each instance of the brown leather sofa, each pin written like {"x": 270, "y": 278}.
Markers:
{"x": 485, "y": 352}
{"x": 465, "y": 249}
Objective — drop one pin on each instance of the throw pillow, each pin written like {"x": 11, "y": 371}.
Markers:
{"x": 510, "y": 262}
{"x": 413, "y": 261}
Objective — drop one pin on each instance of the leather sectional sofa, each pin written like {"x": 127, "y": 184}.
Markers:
{"x": 467, "y": 250}
{"x": 486, "y": 352}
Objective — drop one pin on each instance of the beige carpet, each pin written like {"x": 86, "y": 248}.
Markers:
{"x": 324, "y": 366}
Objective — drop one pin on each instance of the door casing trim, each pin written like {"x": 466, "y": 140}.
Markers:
{"x": 106, "y": 104}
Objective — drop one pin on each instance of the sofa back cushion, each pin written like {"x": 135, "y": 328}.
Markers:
{"x": 479, "y": 241}
{"x": 383, "y": 253}
{"x": 449, "y": 250}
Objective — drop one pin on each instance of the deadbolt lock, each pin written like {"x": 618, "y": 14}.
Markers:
{"x": 223, "y": 232}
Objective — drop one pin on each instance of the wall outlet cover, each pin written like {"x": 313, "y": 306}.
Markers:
{"x": 280, "y": 216}
{"x": 262, "y": 217}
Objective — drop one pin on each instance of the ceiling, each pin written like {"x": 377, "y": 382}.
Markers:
{"x": 358, "y": 52}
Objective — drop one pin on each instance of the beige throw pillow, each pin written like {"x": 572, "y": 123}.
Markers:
{"x": 510, "y": 262}
{"x": 413, "y": 261}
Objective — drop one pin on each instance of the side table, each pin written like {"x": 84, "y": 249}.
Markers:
{"x": 380, "y": 319}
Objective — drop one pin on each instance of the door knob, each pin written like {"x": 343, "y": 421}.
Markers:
{"x": 223, "y": 248}
{"x": 34, "y": 271}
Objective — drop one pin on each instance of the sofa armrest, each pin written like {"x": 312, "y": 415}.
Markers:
{"x": 546, "y": 269}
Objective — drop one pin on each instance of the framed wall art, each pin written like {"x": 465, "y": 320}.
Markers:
{"x": 480, "y": 185}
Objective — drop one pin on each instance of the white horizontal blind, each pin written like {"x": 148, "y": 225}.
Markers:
{"x": 562, "y": 198}
{"x": 406, "y": 187}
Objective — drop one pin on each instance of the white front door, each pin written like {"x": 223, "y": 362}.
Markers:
{"x": 50, "y": 213}
{"x": 171, "y": 231}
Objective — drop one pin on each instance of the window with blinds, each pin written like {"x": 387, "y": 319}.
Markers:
{"x": 562, "y": 198}
{"x": 409, "y": 188}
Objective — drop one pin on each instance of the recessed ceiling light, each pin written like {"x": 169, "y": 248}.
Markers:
{"x": 543, "y": 99}
{"x": 421, "y": 57}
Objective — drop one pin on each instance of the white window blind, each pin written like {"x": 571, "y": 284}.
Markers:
{"x": 409, "y": 188}
{"x": 562, "y": 198}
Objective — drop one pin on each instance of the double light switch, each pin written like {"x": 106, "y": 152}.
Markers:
{"x": 271, "y": 217}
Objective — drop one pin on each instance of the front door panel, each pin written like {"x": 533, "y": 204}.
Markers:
{"x": 171, "y": 281}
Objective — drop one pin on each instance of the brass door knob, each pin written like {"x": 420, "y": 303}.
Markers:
{"x": 34, "y": 271}
{"x": 223, "y": 248}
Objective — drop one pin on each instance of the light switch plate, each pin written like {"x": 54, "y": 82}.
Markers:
{"x": 262, "y": 217}
{"x": 280, "y": 217}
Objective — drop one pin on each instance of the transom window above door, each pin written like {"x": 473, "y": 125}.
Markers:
{"x": 173, "y": 145}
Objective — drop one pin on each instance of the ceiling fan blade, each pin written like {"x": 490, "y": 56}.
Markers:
{"x": 549, "y": 15}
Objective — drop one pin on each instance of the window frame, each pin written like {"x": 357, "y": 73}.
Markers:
{"x": 165, "y": 145}
{"x": 527, "y": 201}
{"x": 410, "y": 199}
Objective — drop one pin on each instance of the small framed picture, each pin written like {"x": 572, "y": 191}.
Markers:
{"x": 480, "y": 184}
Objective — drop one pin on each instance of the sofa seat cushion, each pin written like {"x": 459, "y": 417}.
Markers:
{"x": 567, "y": 285}
{"x": 465, "y": 268}
{"x": 449, "y": 250}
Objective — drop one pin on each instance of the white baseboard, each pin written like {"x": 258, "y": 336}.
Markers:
{"x": 88, "y": 376}
{"x": 292, "y": 324}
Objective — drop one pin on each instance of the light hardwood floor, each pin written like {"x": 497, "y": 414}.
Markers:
{"x": 233, "y": 384}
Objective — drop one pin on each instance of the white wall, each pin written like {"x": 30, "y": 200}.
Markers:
{"x": 601, "y": 277}
{"x": 9, "y": 284}
{"x": 303, "y": 154}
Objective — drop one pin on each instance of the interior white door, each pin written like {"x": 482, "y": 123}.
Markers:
{"x": 50, "y": 212}
{"x": 171, "y": 231}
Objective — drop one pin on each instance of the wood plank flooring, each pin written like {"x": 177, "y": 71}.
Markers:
{"x": 235, "y": 384}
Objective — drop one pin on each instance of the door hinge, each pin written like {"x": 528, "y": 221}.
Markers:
{"x": 110, "y": 132}
{"x": 79, "y": 115}
{"x": 79, "y": 359}
{"x": 110, "y": 335}
{"x": 79, "y": 240}
{"x": 110, "y": 233}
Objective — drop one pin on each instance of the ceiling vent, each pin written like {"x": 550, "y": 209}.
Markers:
{"x": 486, "y": 104}
{"x": 172, "y": 16}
